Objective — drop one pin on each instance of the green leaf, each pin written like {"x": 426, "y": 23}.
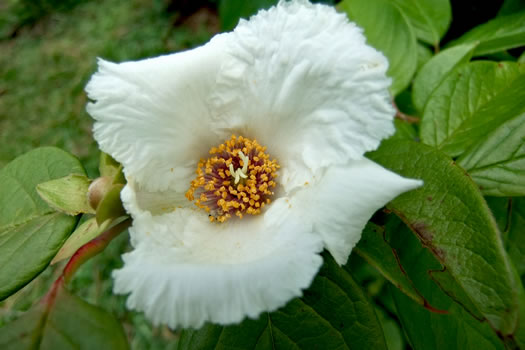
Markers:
{"x": 501, "y": 209}
{"x": 376, "y": 250}
{"x": 67, "y": 322}
{"x": 451, "y": 218}
{"x": 511, "y": 6}
{"x": 497, "y": 162}
{"x": 448, "y": 284}
{"x": 334, "y": 313}
{"x": 510, "y": 215}
{"x": 436, "y": 70}
{"x": 471, "y": 102}
{"x": 428, "y": 330}
{"x": 429, "y": 18}
{"x": 514, "y": 235}
{"x": 387, "y": 29}
{"x": 31, "y": 232}
{"x": 424, "y": 54}
{"x": 404, "y": 130}
{"x": 501, "y": 33}
{"x": 67, "y": 194}
{"x": 230, "y": 11}
{"x": 522, "y": 58}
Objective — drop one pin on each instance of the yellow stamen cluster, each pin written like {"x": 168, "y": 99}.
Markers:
{"x": 237, "y": 179}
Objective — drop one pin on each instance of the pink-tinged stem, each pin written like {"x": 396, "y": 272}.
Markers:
{"x": 405, "y": 117}
{"x": 49, "y": 298}
{"x": 82, "y": 255}
{"x": 90, "y": 249}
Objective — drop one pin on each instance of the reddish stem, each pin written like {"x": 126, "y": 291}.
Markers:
{"x": 83, "y": 254}
{"x": 407, "y": 118}
{"x": 90, "y": 249}
{"x": 49, "y": 298}
{"x": 411, "y": 119}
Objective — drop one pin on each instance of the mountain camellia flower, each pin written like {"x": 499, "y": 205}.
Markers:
{"x": 244, "y": 159}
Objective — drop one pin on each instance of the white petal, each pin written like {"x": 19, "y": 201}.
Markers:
{"x": 153, "y": 115}
{"x": 304, "y": 83}
{"x": 190, "y": 271}
{"x": 343, "y": 200}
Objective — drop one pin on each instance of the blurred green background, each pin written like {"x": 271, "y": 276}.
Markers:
{"x": 48, "y": 51}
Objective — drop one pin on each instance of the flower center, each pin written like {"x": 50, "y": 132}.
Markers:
{"x": 236, "y": 179}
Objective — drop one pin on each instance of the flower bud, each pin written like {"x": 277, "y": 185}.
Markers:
{"x": 98, "y": 189}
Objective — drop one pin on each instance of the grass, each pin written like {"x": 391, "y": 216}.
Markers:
{"x": 45, "y": 67}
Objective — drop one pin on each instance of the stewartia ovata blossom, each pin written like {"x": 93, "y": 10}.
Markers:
{"x": 244, "y": 159}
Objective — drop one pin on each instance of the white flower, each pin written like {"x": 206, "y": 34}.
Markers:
{"x": 299, "y": 79}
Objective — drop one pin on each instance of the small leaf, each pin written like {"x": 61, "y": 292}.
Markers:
{"x": 67, "y": 194}
{"x": 334, "y": 313}
{"x": 451, "y": 218}
{"x": 497, "y": 162}
{"x": 471, "y": 102}
{"x": 501, "y": 33}
{"x": 65, "y": 323}
{"x": 429, "y": 18}
{"x": 31, "y": 232}
{"x": 387, "y": 29}
{"x": 374, "y": 248}
{"x": 436, "y": 70}
{"x": 111, "y": 205}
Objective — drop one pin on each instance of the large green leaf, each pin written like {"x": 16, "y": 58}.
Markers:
{"x": 511, "y": 6}
{"x": 334, "y": 313}
{"x": 471, "y": 102}
{"x": 510, "y": 215}
{"x": 515, "y": 235}
{"x": 31, "y": 232}
{"x": 66, "y": 322}
{"x": 497, "y": 162}
{"x": 387, "y": 29}
{"x": 375, "y": 249}
{"x": 427, "y": 330}
{"x": 424, "y": 54}
{"x": 230, "y": 11}
{"x": 451, "y": 218}
{"x": 436, "y": 70}
{"x": 404, "y": 130}
{"x": 501, "y": 33}
{"x": 429, "y": 18}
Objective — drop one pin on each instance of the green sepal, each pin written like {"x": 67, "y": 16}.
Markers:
{"x": 110, "y": 207}
{"x": 67, "y": 194}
